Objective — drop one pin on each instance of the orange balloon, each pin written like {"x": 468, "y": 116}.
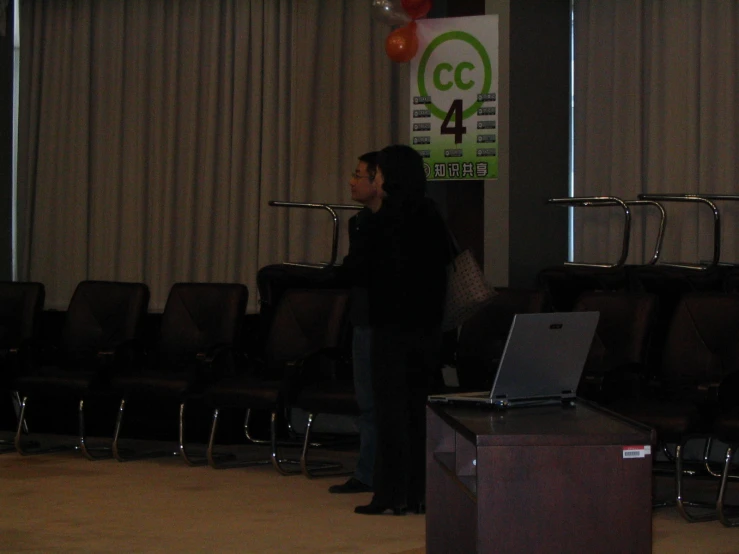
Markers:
{"x": 402, "y": 44}
{"x": 416, "y": 8}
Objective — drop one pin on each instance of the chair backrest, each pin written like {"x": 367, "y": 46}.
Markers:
{"x": 702, "y": 343}
{"x": 563, "y": 284}
{"x": 306, "y": 321}
{"x": 482, "y": 337}
{"x": 21, "y": 305}
{"x": 103, "y": 315}
{"x": 624, "y": 328}
{"x": 201, "y": 316}
{"x": 272, "y": 282}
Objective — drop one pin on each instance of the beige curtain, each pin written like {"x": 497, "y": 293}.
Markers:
{"x": 656, "y": 112}
{"x": 153, "y": 134}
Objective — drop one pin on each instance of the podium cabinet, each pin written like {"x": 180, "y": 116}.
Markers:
{"x": 545, "y": 479}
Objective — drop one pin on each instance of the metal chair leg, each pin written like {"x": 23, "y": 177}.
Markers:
{"x": 721, "y": 508}
{"x": 707, "y": 463}
{"x": 9, "y": 445}
{"x": 681, "y": 503}
{"x": 247, "y": 433}
{"x": 213, "y": 460}
{"x": 317, "y": 468}
{"x": 88, "y": 452}
{"x": 21, "y": 418}
{"x": 117, "y": 452}
{"x": 268, "y": 441}
{"x": 28, "y": 448}
{"x": 188, "y": 459}
{"x": 278, "y": 462}
{"x": 16, "y": 399}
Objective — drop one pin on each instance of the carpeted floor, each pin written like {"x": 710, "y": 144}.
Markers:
{"x": 64, "y": 503}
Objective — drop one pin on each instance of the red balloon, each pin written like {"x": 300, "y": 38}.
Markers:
{"x": 402, "y": 44}
{"x": 416, "y": 8}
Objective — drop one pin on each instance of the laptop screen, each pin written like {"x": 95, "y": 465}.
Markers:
{"x": 544, "y": 356}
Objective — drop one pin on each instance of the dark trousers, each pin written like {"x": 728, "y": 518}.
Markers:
{"x": 403, "y": 360}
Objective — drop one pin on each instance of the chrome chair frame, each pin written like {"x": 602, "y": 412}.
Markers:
{"x": 625, "y": 205}
{"x": 727, "y": 514}
{"x": 331, "y": 209}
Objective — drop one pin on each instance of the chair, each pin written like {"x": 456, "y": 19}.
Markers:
{"x": 671, "y": 280}
{"x": 304, "y": 340}
{"x": 272, "y": 282}
{"x": 482, "y": 337}
{"x": 701, "y": 349}
{"x": 199, "y": 329}
{"x": 564, "y": 284}
{"x": 669, "y": 284}
{"x": 330, "y": 391}
{"x": 102, "y": 324}
{"x": 621, "y": 342}
{"x": 21, "y": 305}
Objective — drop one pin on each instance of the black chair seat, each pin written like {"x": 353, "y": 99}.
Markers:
{"x": 244, "y": 390}
{"x": 671, "y": 420}
{"x": 331, "y": 397}
{"x": 156, "y": 383}
{"x": 59, "y": 381}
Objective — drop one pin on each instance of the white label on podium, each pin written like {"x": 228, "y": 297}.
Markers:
{"x": 637, "y": 451}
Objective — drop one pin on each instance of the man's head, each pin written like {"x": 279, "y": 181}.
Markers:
{"x": 365, "y": 189}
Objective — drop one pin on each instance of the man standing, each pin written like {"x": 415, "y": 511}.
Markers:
{"x": 365, "y": 191}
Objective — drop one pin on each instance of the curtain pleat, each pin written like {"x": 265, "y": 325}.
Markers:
{"x": 154, "y": 134}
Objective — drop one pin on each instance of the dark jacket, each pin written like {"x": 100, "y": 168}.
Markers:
{"x": 407, "y": 253}
{"x": 354, "y": 264}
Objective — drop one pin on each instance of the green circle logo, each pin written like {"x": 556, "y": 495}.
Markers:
{"x": 433, "y": 45}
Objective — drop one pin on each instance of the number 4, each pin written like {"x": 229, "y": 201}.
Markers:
{"x": 458, "y": 129}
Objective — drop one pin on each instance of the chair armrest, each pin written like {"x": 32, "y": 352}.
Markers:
{"x": 307, "y": 370}
{"x": 216, "y": 361}
{"x": 321, "y": 365}
{"x": 126, "y": 354}
{"x": 708, "y": 393}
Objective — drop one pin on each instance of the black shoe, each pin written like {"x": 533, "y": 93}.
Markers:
{"x": 372, "y": 509}
{"x": 352, "y": 486}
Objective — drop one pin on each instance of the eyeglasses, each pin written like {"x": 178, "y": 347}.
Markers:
{"x": 356, "y": 175}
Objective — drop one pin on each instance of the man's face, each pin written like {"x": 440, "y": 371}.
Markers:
{"x": 363, "y": 186}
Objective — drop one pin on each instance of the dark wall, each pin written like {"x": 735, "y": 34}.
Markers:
{"x": 538, "y": 142}
{"x": 539, "y": 110}
{"x": 464, "y": 200}
{"x": 6, "y": 146}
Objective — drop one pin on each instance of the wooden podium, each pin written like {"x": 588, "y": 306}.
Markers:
{"x": 547, "y": 479}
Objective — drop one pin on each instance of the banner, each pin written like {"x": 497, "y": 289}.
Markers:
{"x": 454, "y": 97}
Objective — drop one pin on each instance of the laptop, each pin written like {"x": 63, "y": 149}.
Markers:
{"x": 542, "y": 361}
